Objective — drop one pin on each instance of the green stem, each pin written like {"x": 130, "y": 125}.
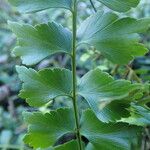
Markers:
{"x": 133, "y": 74}
{"x": 144, "y": 100}
{"x": 92, "y": 4}
{"x": 115, "y": 69}
{"x": 76, "y": 112}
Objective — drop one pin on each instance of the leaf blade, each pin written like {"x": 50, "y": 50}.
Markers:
{"x": 107, "y": 136}
{"x": 116, "y": 39}
{"x": 120, "y": 5}
{"x": 99, "y": 88}
{"x": 36, "y": 43}
{"x": 139, "y": 115}
{"x": 45, "y": 129}
{"x": 41, "y": 87}
{"x": 27, "y": 6}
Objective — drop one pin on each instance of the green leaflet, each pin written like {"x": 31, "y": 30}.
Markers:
{"x": 45, "y": 129}
{"x": 67, "y": 146}
{"x": 100, "y": 89}
{"x": 36, "y": 43}
{"x": 120, "y": 5}
{"x": 26, "y": 6}
{"x": 107, "y": 136}
{"x": 118, "y": 40}
{"x": 40, "y": 87}
{"x": 115, "y": 110}
{"x": 115, "y": 38}
{"x": 139, "y": 116}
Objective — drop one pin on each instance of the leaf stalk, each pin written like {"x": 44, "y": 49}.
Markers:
{"x": 76, "y": 112}
{"x": 92, "y": 4}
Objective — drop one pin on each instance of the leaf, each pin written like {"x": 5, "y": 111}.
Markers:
{"x": 120, "y": 5}
{"x": 98, "y": 88}
{"x": 68, "y": 146}
{"x": 107, "y": 136}
{"x": 36, "y": 43}
{"x": 26, "y": 6}
{"x": 140, "y": 116}
{"x": 115, "y": 110}
{"x": 41, "y": 87}
{"x": 115, "y": 38}
{"x": 45, "y": 129}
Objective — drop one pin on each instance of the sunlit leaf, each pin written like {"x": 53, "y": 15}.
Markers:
{"x": 26, "y": 6}
{"x": 41, "y": 87}
{"x": 45, "y": 129}
{"x": 100, "y": 89}
{"x": 120, "y": 5}
{"x": 117, "y": 136}
{"x": 115, "y": 38}
{"x": 36, "y": 43}
{"x": 68, "y": 146}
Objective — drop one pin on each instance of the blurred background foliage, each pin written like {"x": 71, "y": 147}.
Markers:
{"x": 12, "y": 127}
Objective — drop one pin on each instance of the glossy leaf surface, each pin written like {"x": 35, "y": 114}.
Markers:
{"x": 115, "y": 38}
{"x": 117, "y": 136}
{"x": 36, "y": 43}
{"x": 139, "y": 116}
{"x": 120, "y": 5}
{"x": 98, "y": 87}
{"x": 45, "y": 129}
{"x": 26, "y": 6}
{"x": 41, "y": 87}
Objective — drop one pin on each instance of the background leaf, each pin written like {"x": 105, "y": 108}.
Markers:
{"x": 36, "y": 43}
{"x": 41, "y": 87}
{"x": 139, "y": 116}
